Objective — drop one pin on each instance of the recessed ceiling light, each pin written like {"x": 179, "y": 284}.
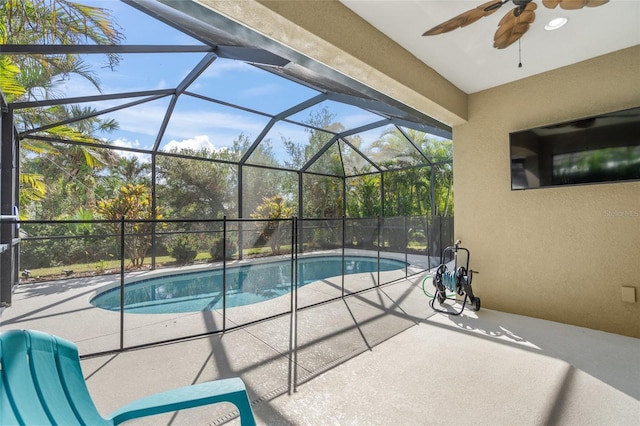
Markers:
{"x": 556, "y": 23}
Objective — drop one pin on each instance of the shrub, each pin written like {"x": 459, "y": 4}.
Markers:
{"x": 217, "y": 251}
{"x": 324, "y": 238}
{"x": 183, "y": 247}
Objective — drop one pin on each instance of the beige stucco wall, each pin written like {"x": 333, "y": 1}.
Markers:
{"x": 563, "y": 253}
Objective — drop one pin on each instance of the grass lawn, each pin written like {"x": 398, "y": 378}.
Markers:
{"x": 111, "y": 266}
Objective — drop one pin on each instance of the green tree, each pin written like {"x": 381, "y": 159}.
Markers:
{"x": 363, "y": 196}
{"x": 133, "y": 202}
{"x": 196, "y": 188}
{"x": 322, "y": 195}
{"x": 259, "y": 182}
{"x": 440, "y": 152}
{"x": 123, "y": 170}
{"x": 71, "y": 173}
{"x": 29, "y": 77}
{"x": 56, "y": 22}
{"x": 408, "y": 191}
{"x": 275, "y": 209}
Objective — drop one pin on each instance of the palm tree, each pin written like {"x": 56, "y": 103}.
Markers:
{"x": 56, "y": 22}
{"x": 27, "y": 77}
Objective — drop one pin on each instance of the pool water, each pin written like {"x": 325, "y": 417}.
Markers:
{"x": 246, "y": 284}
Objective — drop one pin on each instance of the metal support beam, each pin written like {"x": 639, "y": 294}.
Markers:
{"x": 101, "y": 49}
{"x": 91, "y": 115}
{"x": 165, "y": 122}
{"x": 8, "y": 197}
{"x": 300, "y": 212}
{"x": 293, "y": 110}
{"x": 96, "y": 98}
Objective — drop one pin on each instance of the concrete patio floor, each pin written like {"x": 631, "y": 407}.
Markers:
{"x": 384, "y": 357}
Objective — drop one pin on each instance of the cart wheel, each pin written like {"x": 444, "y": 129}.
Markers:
{"x": 476, "y": 304}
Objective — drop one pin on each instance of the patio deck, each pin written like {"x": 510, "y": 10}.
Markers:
{"x": 379, "y": 357}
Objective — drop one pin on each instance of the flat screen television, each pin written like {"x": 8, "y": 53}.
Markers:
{"x": 603, "y": 148}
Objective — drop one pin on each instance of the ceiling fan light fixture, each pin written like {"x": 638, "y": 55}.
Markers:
{"x": 556, "y": 23}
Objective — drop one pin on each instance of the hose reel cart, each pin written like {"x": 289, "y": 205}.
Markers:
{"x": 454, "y": 276}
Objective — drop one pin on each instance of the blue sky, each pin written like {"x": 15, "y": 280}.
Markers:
{"x": 194, "y": 123}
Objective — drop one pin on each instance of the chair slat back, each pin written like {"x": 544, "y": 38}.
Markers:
{"x": 74, "y": 384}
{"x": 7, "y": 414}
{"x": 18, "y": 381}
{"x": 36, "y": 383}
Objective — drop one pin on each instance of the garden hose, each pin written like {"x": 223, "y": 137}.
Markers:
{"x": 429, "y": 295}
{"x": 449, "y": 280}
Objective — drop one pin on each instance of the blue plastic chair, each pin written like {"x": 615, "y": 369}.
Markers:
{"x": 42, "y": 383}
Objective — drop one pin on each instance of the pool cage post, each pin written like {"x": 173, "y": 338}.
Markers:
{"x": 224, "y": 273}
{"x": 344, "y": 239}
{"x": 379, "y": 243}
{"x": 122, "y": 256}
{"x": 154, "y": 209}
{"x": 406, "y": 249}
{"x": 293, "y": 328}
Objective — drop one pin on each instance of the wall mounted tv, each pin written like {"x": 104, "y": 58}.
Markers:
{"x": 603, "y": 148}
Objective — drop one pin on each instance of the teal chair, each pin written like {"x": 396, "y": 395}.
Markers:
{"x": 42, "y": 383}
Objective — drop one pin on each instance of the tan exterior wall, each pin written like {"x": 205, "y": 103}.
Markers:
{"x": 562, "y": 253}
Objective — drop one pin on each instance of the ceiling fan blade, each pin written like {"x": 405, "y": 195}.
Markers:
{"x": 596, "y": 3}
{"x": 527, "y": 16}
{"x": 573, "y": 4}
{"x": 510, "y": 38}
{"x": 466, "y": 18}
{"x": 513, "y": 25}
{"x": 579, "y": 4}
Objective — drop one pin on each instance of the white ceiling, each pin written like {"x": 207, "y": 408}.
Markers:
{"x": 466, "y": 56}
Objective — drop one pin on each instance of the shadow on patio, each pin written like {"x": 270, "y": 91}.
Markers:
{"x": 383, "y": 357}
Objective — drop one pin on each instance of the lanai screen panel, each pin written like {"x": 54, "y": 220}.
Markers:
{"x": 211, "y": 130}
{"x": 238, "y": 83}
{"x": 189, "y": 188}
{"x": 130, "y": 123}
{"x": 322, "y": 196}
{"x": 334, "y": 116}
{"x": 330, "y": 163}
{"x": 261, "y": 186}
{"x": 292, "y": 145}
{"x": 387, "y": 147}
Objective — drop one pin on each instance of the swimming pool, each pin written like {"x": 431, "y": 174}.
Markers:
{"x": 246, "y": 284}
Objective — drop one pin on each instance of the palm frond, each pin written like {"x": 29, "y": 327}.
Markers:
{"x": 32, "y": 187}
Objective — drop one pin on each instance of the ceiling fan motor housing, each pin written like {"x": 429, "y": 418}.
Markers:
{"x": 522, "y": 4}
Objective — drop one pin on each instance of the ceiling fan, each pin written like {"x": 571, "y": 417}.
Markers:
{"x": 515, "y": 23}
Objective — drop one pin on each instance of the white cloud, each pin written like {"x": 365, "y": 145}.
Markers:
{"x": 124, "y": 143}
{"x": 196, "y": 143}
